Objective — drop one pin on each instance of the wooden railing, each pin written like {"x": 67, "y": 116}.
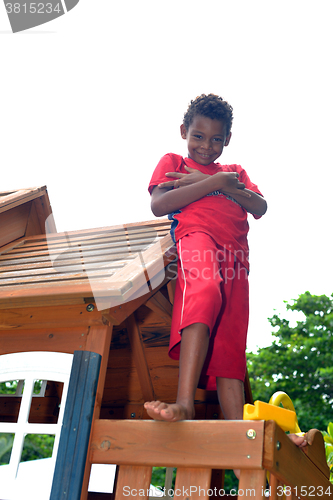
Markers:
{"x": 198, "y": 449}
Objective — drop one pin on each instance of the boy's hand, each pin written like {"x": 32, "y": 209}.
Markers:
{"x": 231, "y": 185}
{"x": 192, "y": 177}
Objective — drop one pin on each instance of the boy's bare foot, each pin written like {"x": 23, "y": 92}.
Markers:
{"x": 168, "y": 412}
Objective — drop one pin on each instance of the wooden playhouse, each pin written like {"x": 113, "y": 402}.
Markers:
{"x": 105, "y": 295}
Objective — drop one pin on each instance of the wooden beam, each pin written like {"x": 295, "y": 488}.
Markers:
{"x": 291, "y": 465}
{"x": 171, "y": 290}
{"x": 139, "y": 357}
{"x": 43, "y": 339}
{"x": 49, "y": 317}
{"x": 198, "y": 443}
{"x": 159, "y": 304}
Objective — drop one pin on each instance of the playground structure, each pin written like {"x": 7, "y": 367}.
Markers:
{"x": 105, "y": 296}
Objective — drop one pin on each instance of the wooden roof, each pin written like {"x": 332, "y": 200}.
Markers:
{"x": 24, "y": 212}
{"x": 111, "y": 264}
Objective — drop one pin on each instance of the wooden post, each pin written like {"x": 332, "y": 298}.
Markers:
{"x": 99, "y": 340}
{"x": 75, "y": 433}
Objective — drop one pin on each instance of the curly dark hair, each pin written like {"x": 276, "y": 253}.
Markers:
{"x": 211, "y": 106}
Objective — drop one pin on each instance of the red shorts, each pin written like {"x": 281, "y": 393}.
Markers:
{"x": 212, "y": 288}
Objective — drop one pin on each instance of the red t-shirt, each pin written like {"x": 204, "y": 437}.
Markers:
{"x": 215, "y": 214}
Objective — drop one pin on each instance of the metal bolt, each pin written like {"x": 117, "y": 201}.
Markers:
{"x": 278, "y": 445}
{"x": 90, "y": 307}
{"x": 251, "y": 434}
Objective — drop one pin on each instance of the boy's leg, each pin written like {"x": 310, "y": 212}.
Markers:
{"x": 230, "y": 392}
{"x": 231, "y": 397}
{"x": 193, "y": 350}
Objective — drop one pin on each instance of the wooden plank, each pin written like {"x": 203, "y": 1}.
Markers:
{"x": 140, "y": 360}
{"x": 74, "y": 438}
{"x": 44, "y": 339}
{"x": 133, "y": 481}
{"x": 99, "y": 235}
{"x": 41, "y": 270}
{"x": 157, "y": 224}
{"x": 19, "y": 197}
{"x": 56, "y": 293}
{"x": 198, "y": 443}
{"x": 45, "y": 266}
{"x": 291, "y": 465}
{"x": 193, "y": 484}
{"x": 252, "y": 483}
{"x": 71, "y": 245}
{"x": 50, "y": 317}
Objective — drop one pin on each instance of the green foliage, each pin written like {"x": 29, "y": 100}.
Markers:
{"x": 299, "y": 361}
{"x": 35, "y": 446}
{"x": 158, "y": 479}
{"x": 328, "y": 438}
{"x": 6, "y": 443}
{"x": 8, "y": 387}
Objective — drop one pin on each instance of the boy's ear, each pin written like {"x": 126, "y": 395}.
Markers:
{"x": 226, "y": 142}
{"x": 183, "y": 131}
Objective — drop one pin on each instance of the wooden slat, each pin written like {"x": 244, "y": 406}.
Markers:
{"x": 273, "y": 485}
{"x": 192, "y": 484}
{"x": 133, "y": 482}
{"x": 140, "y": 360}
{"x": 252, "y": 483}
{"x": 198, "y": 443}
{"x": 53, "y": 254}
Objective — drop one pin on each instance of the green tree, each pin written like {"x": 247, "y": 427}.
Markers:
{"x": 299, "y": 361}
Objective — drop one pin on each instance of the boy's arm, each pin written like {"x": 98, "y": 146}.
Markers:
{"x": 166, "y": 198}
{"x": 255, "y": 205}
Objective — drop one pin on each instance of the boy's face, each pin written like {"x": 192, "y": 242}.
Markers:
{"x": 205, "y": 138}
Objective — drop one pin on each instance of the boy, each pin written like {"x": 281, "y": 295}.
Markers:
{"x": 208, "y": 205}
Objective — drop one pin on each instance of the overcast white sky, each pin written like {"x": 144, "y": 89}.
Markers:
{"x": 91, "y": 101}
